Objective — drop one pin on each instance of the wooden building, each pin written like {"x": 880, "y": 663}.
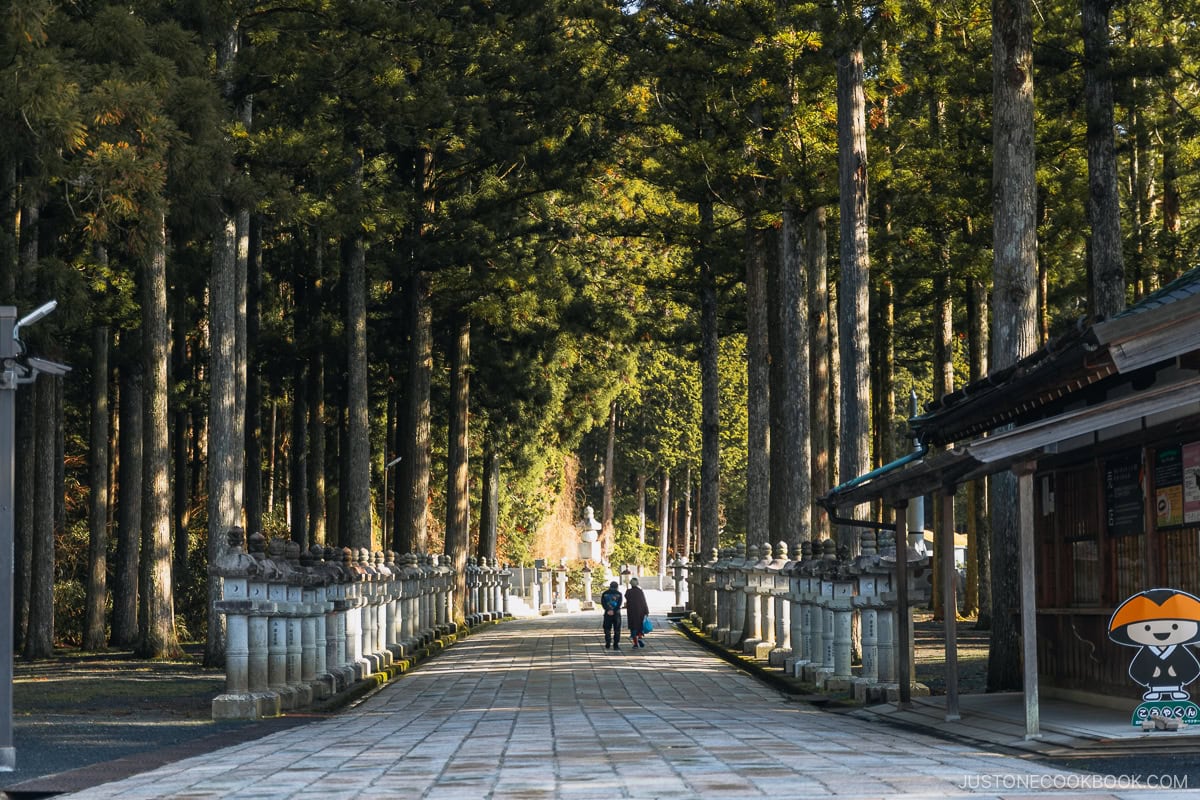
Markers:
{"x": 1102, "y": 428}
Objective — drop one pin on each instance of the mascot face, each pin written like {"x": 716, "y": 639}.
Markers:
{"x": 1156, "y": 618}
{"x": 1163, "y": 632}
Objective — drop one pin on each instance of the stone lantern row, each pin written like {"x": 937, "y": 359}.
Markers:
{"x": 797, "y": 613}
{"x": 304, "y": 625}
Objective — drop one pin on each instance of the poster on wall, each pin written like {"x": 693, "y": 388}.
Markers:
{"x": 1191, "y": 482}
{"x": 1168, "y": 487}
{"x": 1123, "y": 495}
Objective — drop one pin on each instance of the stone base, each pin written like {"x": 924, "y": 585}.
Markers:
{"x": 711, "y": 631}
{"x": 323, "y": 686}
{"x": 252, "y": 705}
{"x": 677, "y": 612}
{"x": 778, "y": 657}
{"x": 288, "y": 697}
{"x": 546, "y": 609}
{"x": 815, "y": 674}
{"x": 749, "y": 645}
{"x": 587, "y": 605}
{"x": 566, "y": 607}
{"x": 891, "y": 691}
{"x": 795, "y": 666}
{"x": 836, "y": 683}
{"x": 762, "y": 650}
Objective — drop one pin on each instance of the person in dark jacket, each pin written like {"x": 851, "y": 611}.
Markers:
{"x": 610, "y": 603}
{"x": 635, "y": 606}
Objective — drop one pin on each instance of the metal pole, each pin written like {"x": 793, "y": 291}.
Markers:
{"x": 8, "y": 388}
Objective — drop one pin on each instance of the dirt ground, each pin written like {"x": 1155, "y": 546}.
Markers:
{"x": 929, "y": 639}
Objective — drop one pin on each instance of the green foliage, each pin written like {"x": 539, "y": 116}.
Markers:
{"x": 626, "y": 547}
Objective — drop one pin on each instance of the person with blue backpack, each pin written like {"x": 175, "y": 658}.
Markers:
{"x": 610, "y": 602}
{"x": 638, "y": 611}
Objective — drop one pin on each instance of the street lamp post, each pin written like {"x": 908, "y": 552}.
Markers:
{"x": 16, "y": 367}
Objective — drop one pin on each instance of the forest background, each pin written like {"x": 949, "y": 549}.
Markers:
{"x": 433, "y": 277}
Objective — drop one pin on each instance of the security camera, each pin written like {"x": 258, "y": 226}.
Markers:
{"x": 33, "y": 316}
{"x": 47, "y": 367}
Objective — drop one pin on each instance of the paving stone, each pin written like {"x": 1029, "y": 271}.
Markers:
{"x": 537, "y": 709}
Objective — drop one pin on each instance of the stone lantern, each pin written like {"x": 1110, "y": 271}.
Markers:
{"x": 589, "y": 534}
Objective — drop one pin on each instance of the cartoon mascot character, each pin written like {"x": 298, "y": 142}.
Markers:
{"x": 1162, "y": 622}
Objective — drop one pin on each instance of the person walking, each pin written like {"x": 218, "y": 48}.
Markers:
{"x": 636, "y": 608}
{"x": 610, "y": 602}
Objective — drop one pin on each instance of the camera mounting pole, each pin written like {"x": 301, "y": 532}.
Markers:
{"x": 16, "y": 368}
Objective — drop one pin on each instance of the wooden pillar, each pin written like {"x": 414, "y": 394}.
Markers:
{"x": 903, "y": 613}
{"x": 1024, "y": 472}
{"x": 949, "y": 600}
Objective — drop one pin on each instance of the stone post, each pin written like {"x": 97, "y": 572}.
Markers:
{"x": 505, "y": 582}
{"x": 560, "y": 588}
{"x": 323, "y": 682}
{"x": 752, "y": 628}
{"x": 295, "y": 626}
{"x": 547, "y": 606}
{"x": 336, "y": 621}
{"x": 737, "y": 595}
{"x": 243, "y": 599}
{"x": 277, "y": 642}
{"x": 587, "y": 604}
{"x": 706, "y": 588}
{"x": 679, "y": 569}
{"x": 778, "y": 578}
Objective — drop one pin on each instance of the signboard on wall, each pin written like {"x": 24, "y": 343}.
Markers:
{"x": 1191, "y": 482}
{"x": 1168, "y": 487}
{"x": 1123, "y": 495}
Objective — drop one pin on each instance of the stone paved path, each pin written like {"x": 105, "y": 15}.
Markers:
{"x": 537, "y": 708}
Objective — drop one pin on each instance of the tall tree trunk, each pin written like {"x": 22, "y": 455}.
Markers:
{"x": 26, "y": 425}
{"x": 822, "y": 442}
{"x": 710, "y": 424}
{"x": 317, "y": 501}
{"x": 39, "y": 638}
{"x": 978, "y": 594}
{"x": 664, "y": 520}
{"x": 780, "y": 524}
{"x": 357, "y": 486}
{"x": 272, "y": 448}
{"x": 412, "y": 482}
{"x": 9, "y": 252}
{"x": 1014, "y": 299}
{"x": 758, "y": 445}
{"x": 1170, "y": 261}
{"x": 458, "y": 499}
{"x": 943, "y": 384}
{"x": 298, "y": 512}
{"x": 793, "y": 437}
{"x": 226, "y": 442}
{"x": 182, "y": 374}
{"x": 96, "y": 595}
{"x": 1104, "y": 202}
{"x": 225, "y": 445}
{"x": 853, "y": 288}
{"x": 607, "y": 531}
{"x": 489, "y": 506}
{"x": 253, "y": 477}
{"x": 640, "y": 502}
{"x": 156, "y": 620}
{"x": 687, "y": 514}
{"x": 129, "y": 496}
